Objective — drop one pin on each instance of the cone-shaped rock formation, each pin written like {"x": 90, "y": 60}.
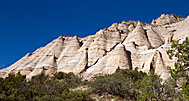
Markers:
{"x": 108, "y": 64}
{"x": 126, "y": 45}
{"x": 139, "y": 36}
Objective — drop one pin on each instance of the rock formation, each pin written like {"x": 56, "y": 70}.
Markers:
{"x": 127, "y": 45}
{"x": 166, "y": 19}
{"x": 139, "y": 36}
{"x": 108, "y": 64}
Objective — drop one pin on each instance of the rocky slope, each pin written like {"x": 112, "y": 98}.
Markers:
{"x": 126, "y": 45}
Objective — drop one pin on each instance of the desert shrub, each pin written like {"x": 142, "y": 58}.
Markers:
{"x": 39, "y": 79}
{"x": 70, "y": 79}
{"x": 135, "y": 85}
{"x": 121, "y": 83}
{"x": 42, "y": 88}
{"x": 57, "y": 99}
{"x": 10, "y": 87}
{"x": 151, "y": 87}
{"x": 180, "y": 72}
{"x": 76, "y": 95}
{"x": 43, "y": 98}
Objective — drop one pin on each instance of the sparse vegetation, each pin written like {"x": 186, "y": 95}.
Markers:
{"x": 180, "y": 72}
{"x": 42, "y": 88}
{"x": 132, "y": 85}
{"x": 122, "y": 83}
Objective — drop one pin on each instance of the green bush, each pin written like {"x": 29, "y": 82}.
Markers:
{"x": 180, "y": 72}
{"x": 122, "y": 83}
{"x": 151, "y": 87}
{"x": 41, "y": 88}
{"x": 70, "y": 79}
{"x": 133, "y": 85}
{"x": 76, "y": 95}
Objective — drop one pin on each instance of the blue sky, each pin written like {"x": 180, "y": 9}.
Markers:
{"x": 26, "y": 25}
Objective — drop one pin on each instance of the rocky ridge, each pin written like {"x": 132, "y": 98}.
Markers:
{"x": 127, "y": 45}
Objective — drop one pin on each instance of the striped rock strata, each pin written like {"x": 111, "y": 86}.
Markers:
{"x": 127, "y": 45}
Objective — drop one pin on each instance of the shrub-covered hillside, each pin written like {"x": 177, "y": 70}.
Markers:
{"x": 42, "y": 88}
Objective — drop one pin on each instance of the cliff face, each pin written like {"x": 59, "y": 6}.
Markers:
{"x": 126, "y": 45}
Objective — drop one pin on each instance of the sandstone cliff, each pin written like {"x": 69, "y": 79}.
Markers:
{"x": 126, "y": 45}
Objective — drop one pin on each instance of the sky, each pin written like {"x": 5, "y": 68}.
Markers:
{"x": 26, "y": 25}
